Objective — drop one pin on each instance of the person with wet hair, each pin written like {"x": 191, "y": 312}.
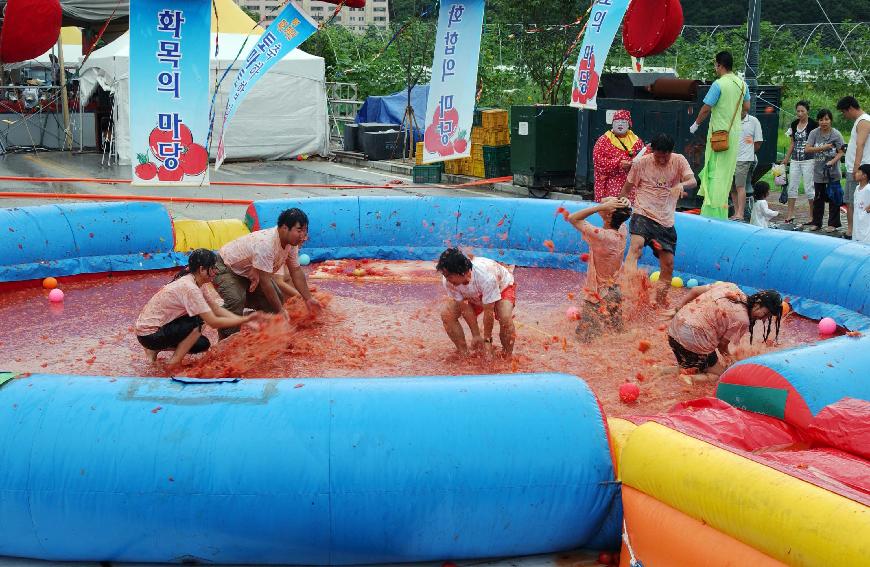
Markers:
{"x": 713, "y": 317}
{"x": 247, "y": 267}
{"x": 602, "y": 302}
{"x": 477, "y": 286}
{"x": 173, "y": 318}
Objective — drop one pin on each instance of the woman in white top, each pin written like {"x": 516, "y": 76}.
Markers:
{"x": 800, "y": 164}
{"x": 173, "y": 318}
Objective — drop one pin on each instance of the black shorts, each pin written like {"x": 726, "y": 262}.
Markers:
{"x": 659, "y": 238}
{"x": 689, "y": 359}
{"x": 169, "y": 335}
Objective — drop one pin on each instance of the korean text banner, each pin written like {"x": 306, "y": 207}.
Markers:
{"x": 169, "y": 91}
{"x": 604, "y": 20}
{"x": 450, "y": 109}
{"x": 287, "y": 32}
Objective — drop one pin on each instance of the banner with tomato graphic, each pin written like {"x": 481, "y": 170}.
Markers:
{"x": 605, "y": 16}
{"x": 452, "y": 89}
{"x": 169, "y": 91}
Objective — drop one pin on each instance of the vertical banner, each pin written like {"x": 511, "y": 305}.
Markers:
{"x": 287, "y": 32}
{"x": 604, "y": 20}
{"x": 450, "y": 109}
{"x": 169, "y": 91}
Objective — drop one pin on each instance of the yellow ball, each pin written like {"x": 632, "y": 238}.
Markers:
{"x": 359, "y": 272}
{"x": 677, "y": 282}
{"x": 786, "y": 308}
{"x": 654, "y": 277}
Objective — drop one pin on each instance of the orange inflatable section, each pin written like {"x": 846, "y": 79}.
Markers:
{"x": 664, "y": 537}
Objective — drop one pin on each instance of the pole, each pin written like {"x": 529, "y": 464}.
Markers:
{"x": 64, "y": 97}
{"x": 753, "y": 20}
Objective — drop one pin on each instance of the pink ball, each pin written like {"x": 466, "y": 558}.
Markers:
{"x": 827, "y": 326}
{"x": 55, "y": 296}
{"x": 629, "y": 392}
{"x": 572, "y": 313}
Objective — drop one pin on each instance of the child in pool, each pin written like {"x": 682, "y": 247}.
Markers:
{"x": 602, "y": 297}
{"x": 173, "y": 318}
{"x": 712, "y": 318}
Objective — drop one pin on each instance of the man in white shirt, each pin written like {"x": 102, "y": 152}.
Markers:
{"x": 857, "y": 152}
{"x": 476, "y": 286}
{"x": 246, "y": 268}
{"x": 750, "y": 142}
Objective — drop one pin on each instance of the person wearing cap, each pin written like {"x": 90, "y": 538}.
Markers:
{"x": 612, "y": 157}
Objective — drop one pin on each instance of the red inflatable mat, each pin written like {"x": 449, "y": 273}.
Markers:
{"x": 651, "y": 26}
{"x": 770, "y": 442}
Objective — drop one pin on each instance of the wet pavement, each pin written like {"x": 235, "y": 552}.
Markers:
{"x": 309, "y": 173}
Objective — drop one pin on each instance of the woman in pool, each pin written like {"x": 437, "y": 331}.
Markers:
{"x": 712, "y": 318}
{"x": 173, "y": 318}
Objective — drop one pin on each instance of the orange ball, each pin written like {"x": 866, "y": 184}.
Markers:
{"x": 769, "y": 110}
{"x": 49, "y": 283}
{"x": 786, "y": 308}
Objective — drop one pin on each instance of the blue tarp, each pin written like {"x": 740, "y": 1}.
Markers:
{"x": 390, "y": 109}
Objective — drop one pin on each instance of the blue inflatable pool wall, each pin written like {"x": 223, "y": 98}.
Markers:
{"x": 346, "y": 471}
{"x": 332, "y": 472}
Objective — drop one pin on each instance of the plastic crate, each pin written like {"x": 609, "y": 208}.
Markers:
{"x": 496, "y": 153}
{"x": 427, "y": 173}
{"x": 477, "y": 135}
{"x": 478, "y": 169}
{"x": 497, "y": 169}
{"x": 495, "y": 119}
{"x": 478, "y": 116}
{"x": 496, "y": 137}
{"x": 418, "y": 153}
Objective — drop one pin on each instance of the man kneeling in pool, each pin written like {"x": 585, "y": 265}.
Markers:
{"x": 477, "y": 286}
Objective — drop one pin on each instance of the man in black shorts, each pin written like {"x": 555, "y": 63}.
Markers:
{"x": 660, "y": 178}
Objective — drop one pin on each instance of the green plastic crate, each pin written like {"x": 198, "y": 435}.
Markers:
{"x": 496, "y": 153}
{"x": 497, "y": 169}
{"x": 428, "y": 173}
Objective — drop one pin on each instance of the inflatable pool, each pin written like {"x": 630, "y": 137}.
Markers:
{"x": 363, "y": 471}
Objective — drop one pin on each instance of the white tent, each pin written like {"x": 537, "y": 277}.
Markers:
{"x": 284, "y": 115}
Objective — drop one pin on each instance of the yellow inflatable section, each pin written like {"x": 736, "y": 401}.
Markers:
{"x": 783, "y": 517}
{"x": 193, "y": 234}
{"x": 619, "y": 430}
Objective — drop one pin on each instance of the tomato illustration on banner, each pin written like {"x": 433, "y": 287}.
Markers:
{"x": 585, "y": 82}
{"x": 605, "y": 16}
{"x": 450, "y": 107}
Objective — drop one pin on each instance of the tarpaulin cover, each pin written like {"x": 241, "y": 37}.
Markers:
{"x": 351, "y": 471}
{"x": 713, "y": 419}
{"x": 796, "y": 384}
{"x": 390, "y": 109}
{"x": 844, "y": 425}
{"x": 83, "y": 238}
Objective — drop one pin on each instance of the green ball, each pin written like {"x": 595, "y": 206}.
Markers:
{"x": 654, "y": 277}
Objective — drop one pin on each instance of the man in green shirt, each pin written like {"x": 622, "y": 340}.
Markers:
{"x": 722, "y": 104}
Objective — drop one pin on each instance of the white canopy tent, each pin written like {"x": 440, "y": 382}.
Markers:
{"x": 284, "y": 115}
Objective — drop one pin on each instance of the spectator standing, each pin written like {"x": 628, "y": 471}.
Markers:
{"x": 800, "y": 164}
{"x": 750, "y": 142}
{"x": 612, "y": 156}
{"x": 857, "y": 153}
{"x": 826, "y": 144}
{"x": 722, "y": 104}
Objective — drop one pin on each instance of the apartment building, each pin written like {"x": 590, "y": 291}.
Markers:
{"x": 376, "y": 12}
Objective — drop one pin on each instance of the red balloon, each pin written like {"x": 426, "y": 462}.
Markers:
{"x": 605, "y": 558}
{"x": 651, "y": 26}
{"x": 30, "y": 28}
